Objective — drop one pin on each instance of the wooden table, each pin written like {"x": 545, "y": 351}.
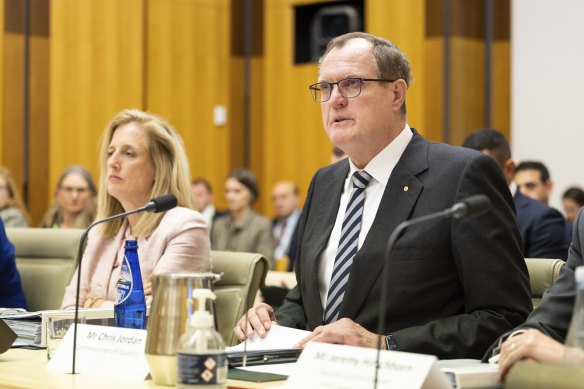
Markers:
{"x": 26, "y": 369}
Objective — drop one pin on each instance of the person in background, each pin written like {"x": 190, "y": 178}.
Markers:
{"x": 454, "y": 284}
{"x": 141, "y": 157}
{"x": 11, "y": 293}
{"x": 542, "y": 336}
{"x": 203, "y": 196}
{"x": 12, "y": 210}
{"x": 74, "y": 205}
{"x": 543, "y": 229}
{"x": 243, "y": 229}
{"x": 286, "y": 204}
{"x": 533, "y": 180}
{"x": 572, "y": 201}
{"x": 337, "y": 154}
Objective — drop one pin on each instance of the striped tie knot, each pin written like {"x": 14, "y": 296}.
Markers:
{"x": 361, "y": 179}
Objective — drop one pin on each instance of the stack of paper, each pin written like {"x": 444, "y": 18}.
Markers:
{"x": 30, "y": 327}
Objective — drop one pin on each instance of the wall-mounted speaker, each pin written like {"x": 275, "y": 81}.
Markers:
{"x": 317, "y": 24}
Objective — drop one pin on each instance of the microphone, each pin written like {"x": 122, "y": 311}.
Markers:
{"x": 158, "y": 204}
{"x": 471, "y": 206}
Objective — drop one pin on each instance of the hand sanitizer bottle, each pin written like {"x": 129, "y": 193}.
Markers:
{"x": 201, "y": 359}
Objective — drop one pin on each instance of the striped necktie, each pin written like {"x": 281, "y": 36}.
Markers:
{"x": 347, "y": 246}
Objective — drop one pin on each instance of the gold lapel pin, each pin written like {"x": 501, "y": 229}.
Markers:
{"x": 406, "y": 188}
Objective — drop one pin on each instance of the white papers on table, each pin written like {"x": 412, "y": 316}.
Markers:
{"x": 278, "y": 337}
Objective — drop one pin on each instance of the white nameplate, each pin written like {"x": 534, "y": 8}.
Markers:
{"x": 324, "y": 365}
{"x": 117, "y": 352}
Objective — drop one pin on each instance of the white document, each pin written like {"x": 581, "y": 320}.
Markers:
{"x": 278, "y": 337}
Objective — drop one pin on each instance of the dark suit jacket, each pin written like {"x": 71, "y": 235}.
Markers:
{"x": 454, "y": 285}
{"x": 552, "y": 316}
{"x": 292, "y": 246}
{"x": 11, "y": 293}
{"x": 543, "y": 229}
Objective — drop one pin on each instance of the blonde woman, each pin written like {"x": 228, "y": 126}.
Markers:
{"x": 12, "y": 210}
{"x": 141, "y": 157}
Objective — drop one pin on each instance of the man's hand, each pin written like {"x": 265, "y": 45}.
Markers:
{"x": 260, "y": 319}
{"x": 531, "y": 344}
{"x": 343, "y": 331}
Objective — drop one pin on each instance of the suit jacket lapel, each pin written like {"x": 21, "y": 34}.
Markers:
{"x": 399, "y": 198}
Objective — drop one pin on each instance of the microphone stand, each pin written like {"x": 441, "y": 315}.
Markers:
{"x": 385, "y": 274}
{"x": 80, "y": 256}
{"x": 473, "y": 205}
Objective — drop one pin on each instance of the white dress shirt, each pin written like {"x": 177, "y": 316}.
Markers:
{"x": 379, "y": 168}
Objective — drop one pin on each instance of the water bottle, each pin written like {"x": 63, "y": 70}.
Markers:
{"x": 130, "y": 303}
{"x": 201, "y": 359}
{"x": 576, "y": 330}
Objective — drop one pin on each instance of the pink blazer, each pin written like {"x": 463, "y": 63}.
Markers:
{"x": 179, "y": 243}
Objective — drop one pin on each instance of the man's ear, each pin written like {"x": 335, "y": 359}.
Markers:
{"x": 509, "y": 170}
{"x": 400, "y": 91}
{"x": 549, "y": 186}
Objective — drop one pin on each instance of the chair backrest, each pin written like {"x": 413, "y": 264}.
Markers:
{"x": 542, "y": 274}
{"x": 45, "y": 258}
{"x": 242, "y": 276}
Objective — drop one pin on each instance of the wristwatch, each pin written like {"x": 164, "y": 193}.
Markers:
{"x": 391, "y": 343}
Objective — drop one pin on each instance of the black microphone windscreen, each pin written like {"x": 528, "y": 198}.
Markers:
{"x": 164, "y": 203}
{"x": 473, "y": 205}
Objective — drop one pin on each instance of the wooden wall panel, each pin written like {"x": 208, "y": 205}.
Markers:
{"x": 402, "y": 22}
{"x": 295, "y": 144}
{"x": 38, "y": 145}
{"x": 12, "y": 140}
{"x": 31, "y": 181}
{"x": 188, "y": 74}
{"x": 2, "y": 79}
{"x": 97, "y": 65}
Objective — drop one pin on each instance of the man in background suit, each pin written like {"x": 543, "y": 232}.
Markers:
{"x": 204, "y": 203}
{"x": 543, "y": 229}
{"x": 286, "y": 202}
{"x": 454, "y": 285}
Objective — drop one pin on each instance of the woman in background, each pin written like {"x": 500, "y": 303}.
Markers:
{"x": 141, "y": 157}
{"x": 74, "y": 205}
{"x": 243, "y": 229}
{"x": 12, "y": 210}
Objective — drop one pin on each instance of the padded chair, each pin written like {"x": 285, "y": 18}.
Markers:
{"x": 242, "y": 276}
{"x": 542, "y": 274}
{"x": 45, "y": 258}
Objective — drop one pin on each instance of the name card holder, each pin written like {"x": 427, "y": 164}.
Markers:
{"x": 117, "y": 352}
{"x": 324, "y": 365}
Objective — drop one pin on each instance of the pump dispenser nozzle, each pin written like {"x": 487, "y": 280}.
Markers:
{"x": 202, "y": 318}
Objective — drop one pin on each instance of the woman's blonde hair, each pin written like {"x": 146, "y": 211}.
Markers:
{"x": 14, "y": 199}
{"x": 171, "y": 169}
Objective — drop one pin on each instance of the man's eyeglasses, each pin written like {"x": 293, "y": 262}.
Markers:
{"x": 348, "y": 88}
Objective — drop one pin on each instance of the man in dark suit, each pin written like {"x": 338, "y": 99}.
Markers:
{"x": 286, "y": 204}
{"x": 454, "y": 285}
{"x": 543, "y": 229}
{"x": 548, "y": 324}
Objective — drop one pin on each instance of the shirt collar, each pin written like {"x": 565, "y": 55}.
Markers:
{"x": 381, "y": 166}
